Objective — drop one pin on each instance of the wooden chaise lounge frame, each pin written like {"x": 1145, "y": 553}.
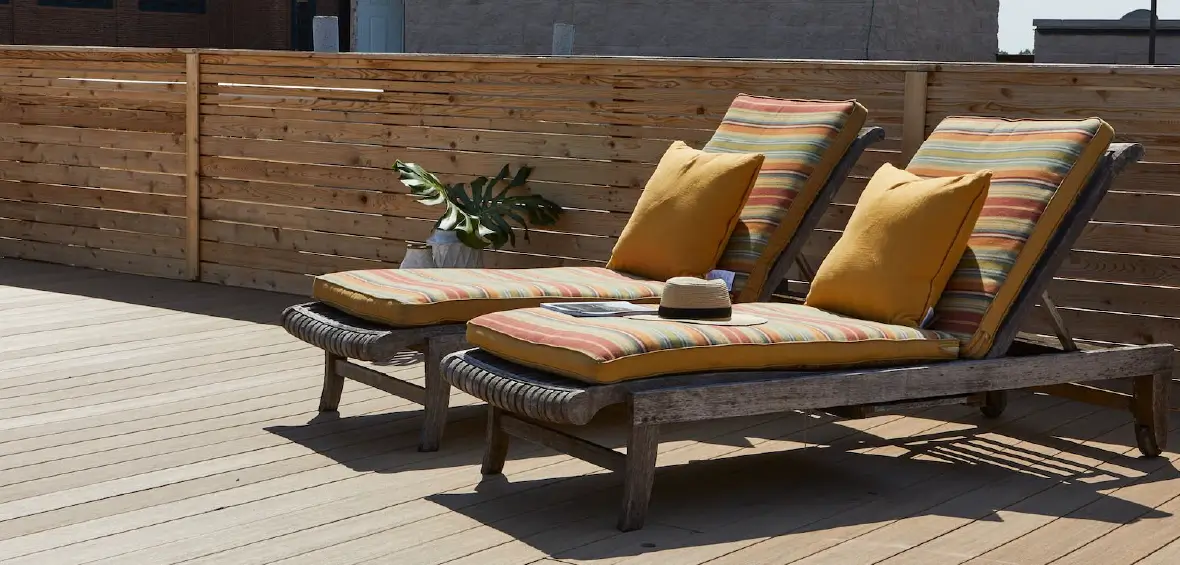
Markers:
{"x": 523, "y": 401}
{"x": 344, "y": 337}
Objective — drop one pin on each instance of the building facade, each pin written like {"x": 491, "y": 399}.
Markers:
{"x": 237, "y": 24}
{"x": 1123, "y": 41}
{"x": 946, "y": 30}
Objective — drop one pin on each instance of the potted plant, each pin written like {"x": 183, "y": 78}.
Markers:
{"x": 475, "y": 216}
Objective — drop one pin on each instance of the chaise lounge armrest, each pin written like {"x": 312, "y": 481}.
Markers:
{"x": 529, "y": 392}
{"x": 341, "y": 334}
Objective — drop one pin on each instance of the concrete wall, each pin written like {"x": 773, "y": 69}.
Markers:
{"x": 1106, "y": 49}
{"x": 946, "y": 30}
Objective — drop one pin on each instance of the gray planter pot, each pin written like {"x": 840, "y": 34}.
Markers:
{"x": 450, "y": 253}
{"x": 418, "y": 256}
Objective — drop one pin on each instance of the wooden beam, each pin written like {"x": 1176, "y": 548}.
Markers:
{"x": 380, "y": 381}
{"x": 570, "y": 445}
{"x": 192, "y": 138}
{"x": 768, "y": 392}
{"x": 913, "y": 129}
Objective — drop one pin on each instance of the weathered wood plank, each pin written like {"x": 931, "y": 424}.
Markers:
{"x": 390, "y": 251}
{"x": 229, "y": 275}
{"x": 582, "y": 215}
{"x": 476, "y": 140}
{"x": 125, "y": 140}
{"x": 92, "y": 197}
{"x": 93, "y": 116}
{"x": 914, "y": 128}
{"x": 762, "y": 392}
{"x": 330, "y": 163}
{"x": 400, "y": 229}
{"x": 139, "y": 243}
{"x": 192, "y": 165}
{"x": 1138, "y": 208}
{"x": 576, "y": 76}
{"x": 284, "y": 261}
{"x": 47, "y": 213}
{"x": 92, "y": 58}
{"x": 103, "y": 157}
{"x": 92, "y": 258}
{"x": 1116, "y": 297}
{"x": 161, "y": 98}
{"x": 376, "y": 379}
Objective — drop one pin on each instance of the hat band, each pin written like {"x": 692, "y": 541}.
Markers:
{"x": 696, "y": 313}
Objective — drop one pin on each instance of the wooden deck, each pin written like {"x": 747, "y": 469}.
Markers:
{"x": 159, "y": 422}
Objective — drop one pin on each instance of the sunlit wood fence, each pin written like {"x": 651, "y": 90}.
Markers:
{"x": 259, "y": 169}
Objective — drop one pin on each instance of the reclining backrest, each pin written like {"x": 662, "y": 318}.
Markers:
{"x": 803, "y": 140}
{"x": 1039, "y": 168}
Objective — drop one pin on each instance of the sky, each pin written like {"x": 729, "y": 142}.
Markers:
{"x": 1016, "y": 16}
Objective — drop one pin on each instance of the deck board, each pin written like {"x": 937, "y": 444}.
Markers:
{"x": 162, "y": 422}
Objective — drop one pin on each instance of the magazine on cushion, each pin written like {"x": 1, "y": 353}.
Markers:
{"x": 598, "y": 309}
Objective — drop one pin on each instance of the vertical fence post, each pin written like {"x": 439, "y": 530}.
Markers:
{"x": 913, "y": 127}
{"x": 192, "y": 139}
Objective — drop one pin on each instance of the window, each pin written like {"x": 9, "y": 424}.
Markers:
{"x": 177, "y": 6}
{"x": 101, "y": 4}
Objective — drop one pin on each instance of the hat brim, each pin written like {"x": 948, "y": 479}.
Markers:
{"x": 735, "y": 320}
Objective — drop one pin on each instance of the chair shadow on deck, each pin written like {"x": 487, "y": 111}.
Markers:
{"x": 957, "y": 475}
{"x": 248, "y": 305}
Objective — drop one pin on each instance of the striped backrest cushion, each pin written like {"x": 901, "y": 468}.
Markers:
{"x": 1039, "y": 167}
{"x": 802, "y": 140}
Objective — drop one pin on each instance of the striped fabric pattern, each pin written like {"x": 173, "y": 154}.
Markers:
{"x": 795, "y": 137}
{"x": 1030, "y": 160}
{"x": 432, "y": 286}
{"x": 610, "y": 339}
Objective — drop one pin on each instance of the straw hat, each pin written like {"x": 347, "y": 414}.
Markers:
{"x": 698, "y": 301}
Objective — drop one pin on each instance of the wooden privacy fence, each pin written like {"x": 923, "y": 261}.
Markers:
{"x": 260, "y": 168}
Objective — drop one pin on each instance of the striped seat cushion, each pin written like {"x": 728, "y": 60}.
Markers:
{"x": 1039, "y": 167}
{"x": 802, "y": 141}
{"x": 606, "y": 350}
{"x": 418, "y": 297}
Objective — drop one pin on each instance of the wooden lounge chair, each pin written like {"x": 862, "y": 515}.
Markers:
{"x": 528, "y": 398}
{"x": 374, "y": 315}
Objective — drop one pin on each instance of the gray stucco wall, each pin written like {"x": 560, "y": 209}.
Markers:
{"x": 945, "y": 30}
{"x": 1105, "y": 49}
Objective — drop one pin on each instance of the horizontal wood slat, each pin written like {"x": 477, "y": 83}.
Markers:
{"x": 172, "y": 226}
{"x": 140, "y": 243}
{"x": 104, "y": 259}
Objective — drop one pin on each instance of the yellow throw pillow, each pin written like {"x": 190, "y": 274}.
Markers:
{"x": 903, "y": 241}
{"x": 686, "y": 213}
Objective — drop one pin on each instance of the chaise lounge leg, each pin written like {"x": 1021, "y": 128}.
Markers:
{"x": 639, "y": 474}
{"x": 496, "y": 447}
{"x": 1150, "y": 406}
{"x": 994, "y": 403}
{"x": 333, "y": 384}
{"x": 438, "y": 395}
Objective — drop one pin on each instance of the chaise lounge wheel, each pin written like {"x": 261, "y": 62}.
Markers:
{"x": 994, "y": 403}
{"x": 1145, "y": 437}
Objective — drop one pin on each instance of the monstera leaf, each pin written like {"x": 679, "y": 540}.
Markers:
{"x": 479, "y": 215}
